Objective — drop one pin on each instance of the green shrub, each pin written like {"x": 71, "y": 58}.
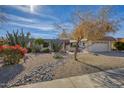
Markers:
{"x": 73, "y": 46}
{"x": 119, "y": 45}
{"x": 39, "y": 41}
{"x": 46, "y": 50}
{"x": 58, "y": 56}
{"x": 36, "y": 48}
{"x": 45, "y": 44}
{"x": 56, "y": 47}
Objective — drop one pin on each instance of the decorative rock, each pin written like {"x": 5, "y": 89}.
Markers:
{"x": 39, "y": 74}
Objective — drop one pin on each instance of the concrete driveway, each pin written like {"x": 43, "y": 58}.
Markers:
{"x": 112, "y": 53}
{"x": 106, "y": 79}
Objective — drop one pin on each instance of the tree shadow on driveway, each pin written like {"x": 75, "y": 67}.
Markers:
{"x": 109, "y": 78}
{"x": 7, "y": 73}
{"x": 92, "y": 66}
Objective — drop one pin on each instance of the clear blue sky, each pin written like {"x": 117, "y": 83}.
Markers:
{"x": 39, "y": 20}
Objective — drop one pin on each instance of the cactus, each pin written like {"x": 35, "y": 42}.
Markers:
{"x": 17, "y": 38}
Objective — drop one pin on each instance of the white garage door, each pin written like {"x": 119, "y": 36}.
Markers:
{"x": 99, "y": 47}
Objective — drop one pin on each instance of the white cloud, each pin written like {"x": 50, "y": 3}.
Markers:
{"x": 68, "y": 25}
{"x": 18, "y": 18}
{"x": 45, "y": 36}
{"x": 44, "y": 27}
{"x": 26, "y": 8}
{"x": 35, "y": 23}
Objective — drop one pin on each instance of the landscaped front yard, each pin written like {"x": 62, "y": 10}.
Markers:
{"x": 43, "y": 67}
{"x": 89, "y": 63}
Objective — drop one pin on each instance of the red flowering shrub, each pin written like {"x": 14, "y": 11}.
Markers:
{"x": 12, "y": 54}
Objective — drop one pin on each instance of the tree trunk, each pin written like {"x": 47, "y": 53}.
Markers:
{"x": 76, "y": 51}
{"x": 64, "y": 46}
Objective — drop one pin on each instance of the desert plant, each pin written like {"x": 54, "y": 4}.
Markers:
{"x": 39, "y": 41}
{"x": 56, "y": 46}
{"x": 37, "y": 45}
{"x": 12, "y": 54}
{"x": 36, "y": 48}
{"x": 17, "y": 38}
{"x": 58, "y": 56}
{"x": 45, "y": 44}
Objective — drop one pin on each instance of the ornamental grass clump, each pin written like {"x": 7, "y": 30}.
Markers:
{"x": 12, "y": 54}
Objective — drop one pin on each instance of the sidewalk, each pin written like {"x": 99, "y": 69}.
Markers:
{"x": 109, "y": 79}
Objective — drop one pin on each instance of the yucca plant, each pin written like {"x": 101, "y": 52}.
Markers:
{"x": 17, "y": 38}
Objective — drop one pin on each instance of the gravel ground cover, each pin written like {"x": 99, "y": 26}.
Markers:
{"x": 43, "y": 67}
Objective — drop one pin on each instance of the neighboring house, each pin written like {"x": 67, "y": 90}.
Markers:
{"x": 120, "y": 40}
{"x": 102, "y": 45}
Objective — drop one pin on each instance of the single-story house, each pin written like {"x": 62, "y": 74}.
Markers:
{"x": 102, "y": 45}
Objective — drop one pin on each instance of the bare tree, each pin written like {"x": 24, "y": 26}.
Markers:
{"x": 94, "y": 26}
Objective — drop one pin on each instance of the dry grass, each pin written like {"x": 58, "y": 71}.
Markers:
{"x": 88, "y": 63}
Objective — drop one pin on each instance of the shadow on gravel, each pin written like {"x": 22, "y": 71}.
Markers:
{"x": 7, "y": 73}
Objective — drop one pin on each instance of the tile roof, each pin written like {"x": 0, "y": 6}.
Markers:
{"x": 108, "y": 38}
